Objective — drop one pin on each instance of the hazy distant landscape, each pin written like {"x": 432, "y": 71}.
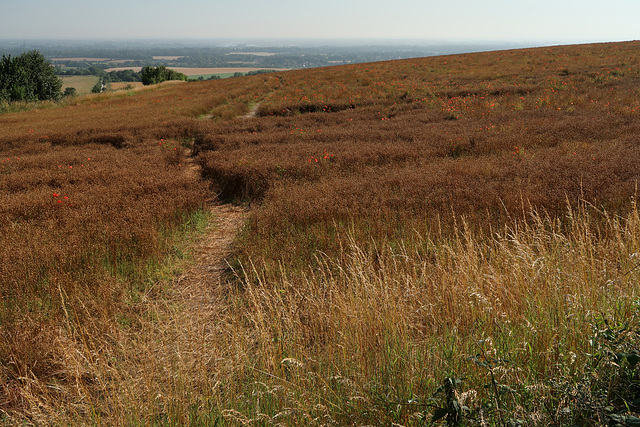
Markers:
{"x": 290, "y": 54}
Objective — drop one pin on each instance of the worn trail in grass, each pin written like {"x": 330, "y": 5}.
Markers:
{"x": 210, "y": 254}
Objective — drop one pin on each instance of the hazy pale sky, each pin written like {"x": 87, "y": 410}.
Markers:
{"x": 459, "y": 20}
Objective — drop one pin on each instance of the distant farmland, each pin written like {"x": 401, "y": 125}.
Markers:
{"x": 83, "y": 59}
{"x": 202, "y": 71}
{"x": 83, "y": 84}
{"x": 252, "y": 53}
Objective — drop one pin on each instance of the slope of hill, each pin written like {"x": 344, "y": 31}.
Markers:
{"x": 413, "y": 222}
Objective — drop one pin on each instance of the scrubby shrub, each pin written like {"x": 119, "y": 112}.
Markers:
{"x": 155, "y": 75}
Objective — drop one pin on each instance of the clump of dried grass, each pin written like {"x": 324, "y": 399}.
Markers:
{"x": 382, "y": 323}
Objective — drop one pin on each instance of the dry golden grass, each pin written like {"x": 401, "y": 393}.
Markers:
{"x": 408, "y": 216}
{"x": 125, "y": 85}
{"x": 382, "y": 325}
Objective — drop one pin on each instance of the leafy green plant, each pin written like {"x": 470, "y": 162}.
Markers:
{"x": 608, "y": 390}
{"x": 452, "y": 411}
{"x": 489, "y": 362}
{"x": 615, "y": 373}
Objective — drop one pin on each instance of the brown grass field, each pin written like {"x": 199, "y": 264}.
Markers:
{"x": 122, "y": 85}
{"x": 448, "y": 238}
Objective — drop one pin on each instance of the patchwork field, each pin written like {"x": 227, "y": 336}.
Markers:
{"x": 83, "y": 84}
{"x": 87, "y": 59}
{"x": 449, "y": 239}
{"x": 252, "y": 53}
{"x": 200, "y": 71}
{"x": 81, "y": 59}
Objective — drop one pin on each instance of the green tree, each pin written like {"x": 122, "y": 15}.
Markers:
{"x": 155, "y": 75}
{"x": 69, "y": 91}
{"x": 97, "y": 88}
{"x": 96, "y": 71}
{"x": 28, "y": 77}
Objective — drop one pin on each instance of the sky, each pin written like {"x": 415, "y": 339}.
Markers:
{"x": 561, "y": 21}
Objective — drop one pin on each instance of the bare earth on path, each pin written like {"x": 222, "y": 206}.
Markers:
{"x": 184, "y": 348}
{"x": 212, "y": 248}
{"x": 252, "y": 112}
{"x": 210, "y": 253}
{"x": 187, "y": 340}
{"x": 181, "y": 347}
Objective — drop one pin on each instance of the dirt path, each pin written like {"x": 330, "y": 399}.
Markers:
{"x": 178, "y": 347}
{"x": 212, "y": 248}
{"x": 252, "y": 112}
{"x": 197, "y": 284}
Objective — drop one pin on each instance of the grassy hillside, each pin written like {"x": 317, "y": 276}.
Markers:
{"x": 462, "y": 222}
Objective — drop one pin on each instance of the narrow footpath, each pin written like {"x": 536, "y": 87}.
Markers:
{"x": 210, "y": 253}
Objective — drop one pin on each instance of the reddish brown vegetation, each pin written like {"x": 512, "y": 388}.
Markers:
{"x": 482, "y": 135}
{"x": 92, "y": 191}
